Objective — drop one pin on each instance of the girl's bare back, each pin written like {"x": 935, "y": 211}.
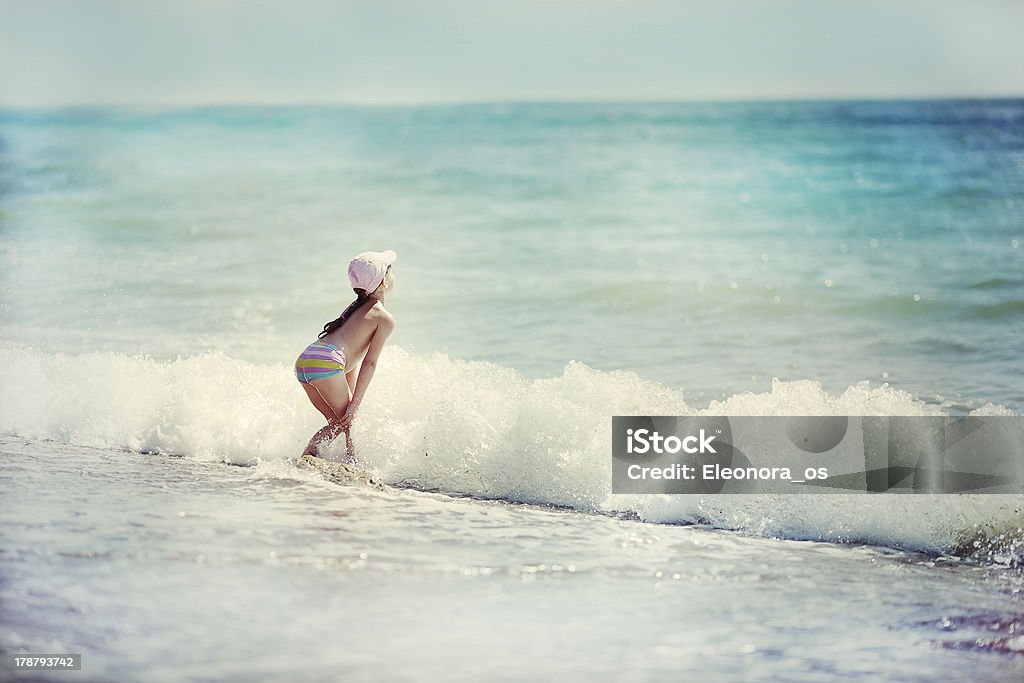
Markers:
{"x": 354, "y": 337}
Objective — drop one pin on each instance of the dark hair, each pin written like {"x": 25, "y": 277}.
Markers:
{"x": 361, "y": 298}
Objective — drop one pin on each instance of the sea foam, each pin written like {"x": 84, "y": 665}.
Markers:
{"x": 483, "y": 430}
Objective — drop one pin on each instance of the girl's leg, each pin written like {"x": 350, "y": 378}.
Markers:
{"x": 318, "y": 401}
{"x": 330, "y": 396}
{"x": 350, "y": 452}
{"x": 322, "y": 438}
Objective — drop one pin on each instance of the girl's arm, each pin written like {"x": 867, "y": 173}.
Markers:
{"x": 367, "y": 368}
{"x": 350, "y": 377}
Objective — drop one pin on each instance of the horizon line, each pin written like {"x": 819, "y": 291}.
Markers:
{"x": 199, "y": 104}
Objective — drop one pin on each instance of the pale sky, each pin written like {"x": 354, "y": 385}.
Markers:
{"x": 159, "y": 52}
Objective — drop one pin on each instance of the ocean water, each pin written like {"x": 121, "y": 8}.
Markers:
{"x": 558, "y": 264}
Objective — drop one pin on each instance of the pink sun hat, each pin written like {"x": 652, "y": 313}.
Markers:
{"x": 367, "y": 270}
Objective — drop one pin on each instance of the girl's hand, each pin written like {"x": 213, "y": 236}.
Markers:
{"x": 348, "y": 417}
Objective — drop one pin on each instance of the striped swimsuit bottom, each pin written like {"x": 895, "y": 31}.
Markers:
{"x": 319, "y": 360}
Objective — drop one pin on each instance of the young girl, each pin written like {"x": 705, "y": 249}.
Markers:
{"x": 327, "y": 368}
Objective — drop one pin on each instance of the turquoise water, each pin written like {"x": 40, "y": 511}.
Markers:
{"x": 558, "y": 264}
{"x": 708, "y": 247}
